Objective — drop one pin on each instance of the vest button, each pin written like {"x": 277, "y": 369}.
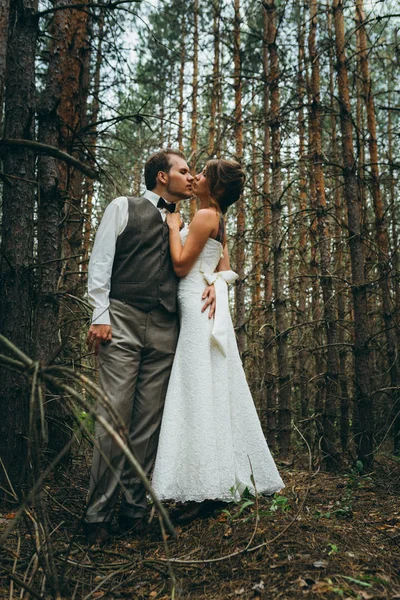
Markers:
{"x": 161, "y": 284}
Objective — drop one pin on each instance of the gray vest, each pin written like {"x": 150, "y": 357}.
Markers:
{"x": 142, "y": 273}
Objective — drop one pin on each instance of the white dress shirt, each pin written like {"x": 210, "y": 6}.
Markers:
{"x": 113, "y": 223}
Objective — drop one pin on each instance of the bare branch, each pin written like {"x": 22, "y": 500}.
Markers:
{"x": 39, "y": 148}
{"x": 84, "y": 6}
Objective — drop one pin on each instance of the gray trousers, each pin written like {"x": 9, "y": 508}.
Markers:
{"x": 134, "y": 370}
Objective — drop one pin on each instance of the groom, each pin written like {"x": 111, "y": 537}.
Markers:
{"x": 133, "y": 290}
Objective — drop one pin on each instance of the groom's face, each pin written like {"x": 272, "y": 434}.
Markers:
{"x": 179, "y": 179}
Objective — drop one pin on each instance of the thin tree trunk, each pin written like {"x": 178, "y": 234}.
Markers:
{"x": 195, "y": 91}
{"x": 338, "y": 256}
{"x": 328, "y": 444}
{"x": 381, "y": 234}
{"x": 72, "y": 112}
{"x": 240, "y": 314}
{"x": 361, "y": 335}
{"x": 4, "y": 16}
{"x": 255, "y": 320}
{"x": 268, "y": 347}
{"x": 396, "y": 266}
{"x": 50, "y": 198}
{"x": 280, "y": 304}
{"x": 215, "y": 79}
{"x": 16, "y": 260}
{"x": 92, "y": 140}
{"x": 301, "y": 367}
{"x": 182, "y": 81}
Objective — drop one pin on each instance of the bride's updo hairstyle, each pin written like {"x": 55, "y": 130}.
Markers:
{"x": 225, "y": 179}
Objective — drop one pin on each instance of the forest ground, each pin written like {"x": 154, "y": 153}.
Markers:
{"x": 324, "y": 536}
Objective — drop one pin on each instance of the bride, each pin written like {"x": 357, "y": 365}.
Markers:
{"x": 211, "y": 445}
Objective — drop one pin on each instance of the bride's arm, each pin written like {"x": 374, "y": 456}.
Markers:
{"x": 184, "y": 257}
{"x": 224, "y": 264}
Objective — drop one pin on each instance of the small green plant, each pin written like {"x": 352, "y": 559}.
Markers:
{"x": 279, "y": 503}
{"x": 87, "y": 419}
{"x": 325, "y": 515}
{"x": 246, "y": 500}
{"x": 333, "y": 549}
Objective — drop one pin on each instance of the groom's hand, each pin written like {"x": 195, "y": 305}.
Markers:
{"x": 98, "y": 334}
{"x": 210, "y": 301}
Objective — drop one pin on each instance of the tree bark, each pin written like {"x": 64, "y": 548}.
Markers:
{"x": 381, "y": 234}
{"x": 181, "y": 81}
{"x": 72, "y": 111}
{"x": 92, "y": 142}
{"x": 4, "y": 16}
{"x": 268, "y": 342}
{"x": 364, "y": 438}
{"x": 302, "y": 354}
{"x": 340, "y": 269}
{"x": 16, "y": 261}
{"x": 280, "y": 301}
{"x": 256, "y": 310}
{"x": 215, "y": 84}
{"x": 240, "y": 312}
{"x": 328, "y": 442}
{"x": 195, "y": 91}
{"x": 396, "y": 265}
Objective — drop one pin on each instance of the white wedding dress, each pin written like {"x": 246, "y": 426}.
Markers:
{"x": 211, "y": 442}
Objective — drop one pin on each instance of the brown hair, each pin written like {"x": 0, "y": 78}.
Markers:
{"x": 159, "y": 161}
{"x": 226, "y": 181}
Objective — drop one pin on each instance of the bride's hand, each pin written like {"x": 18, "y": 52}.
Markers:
{"x": 174, "y": 220}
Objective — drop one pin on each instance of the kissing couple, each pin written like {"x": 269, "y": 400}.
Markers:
{"x": 167, "y": 354}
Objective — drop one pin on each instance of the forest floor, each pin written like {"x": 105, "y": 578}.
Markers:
{"x": 324, "y": 536}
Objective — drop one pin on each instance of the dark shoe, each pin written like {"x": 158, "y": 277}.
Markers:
{"x": 198, "y": 510}
{"x": 97, "y": 533}
{"x": 132, "y": 526}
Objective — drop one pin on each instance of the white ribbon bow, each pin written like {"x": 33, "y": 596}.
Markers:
{"x": 220, "y": 280}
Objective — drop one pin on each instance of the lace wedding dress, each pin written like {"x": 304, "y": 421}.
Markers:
{"x": 211, "y": 442}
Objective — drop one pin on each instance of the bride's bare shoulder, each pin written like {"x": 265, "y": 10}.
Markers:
{"x": 205, "y": 215}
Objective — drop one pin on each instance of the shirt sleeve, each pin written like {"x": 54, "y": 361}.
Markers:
{"x": 113, "y": 223}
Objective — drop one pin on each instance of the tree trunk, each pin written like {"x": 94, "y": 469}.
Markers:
{"x": 182, "y": 81}
{"x": 195, "y": 91}
{"x": 50, "y": 198}
{"x": 396, "y": 265}
{"x": 72, "y": 114}
{"x": 340, "y": 271}
{"x": 16, "y": 261}
{"x": 215, "y": 80}
{"x": 268, "y": 342}
{"x": 280, "y": 304}
{"x": 301, "y": 355}
{"x": 4, "y": 16}
{"x": 255, "y": 313}
{"x": 381, "y": 234}
{"x": 92, "y": 141}
{"x": 328, "y": 442}
{"x": 240, "y": 313}
{"x": 361, "y": 335}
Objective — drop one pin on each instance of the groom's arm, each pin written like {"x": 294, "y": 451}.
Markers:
{"x": 100, "y": 268}
{"x": 209, "y": 292}
{"x": 210, "y": 301}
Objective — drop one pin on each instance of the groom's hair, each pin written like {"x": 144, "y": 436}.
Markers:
{"x": 159, "y": 161}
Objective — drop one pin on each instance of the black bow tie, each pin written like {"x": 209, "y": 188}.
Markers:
{"x": 162, "y": 204}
